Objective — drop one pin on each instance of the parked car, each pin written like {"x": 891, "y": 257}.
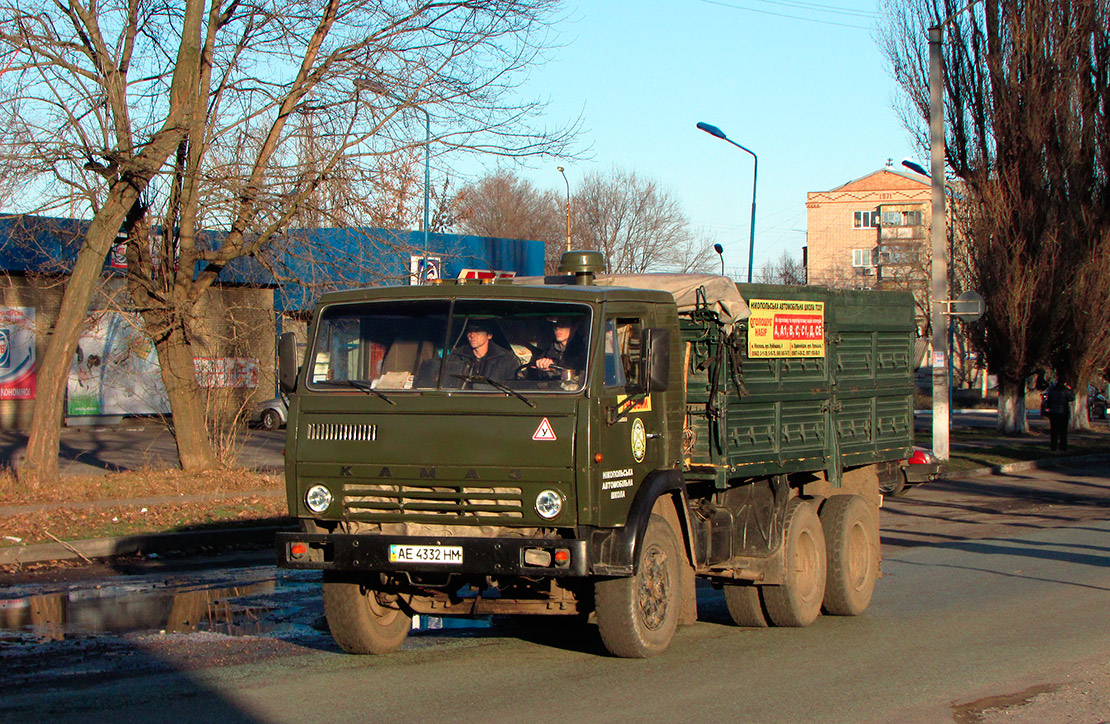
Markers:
{"x": 1096, "y": 403}
{"x": 271, "y": 414}
{"x": 918, "y": 468}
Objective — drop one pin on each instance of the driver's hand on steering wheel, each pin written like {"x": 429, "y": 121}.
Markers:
{"x": 544, "y": 362}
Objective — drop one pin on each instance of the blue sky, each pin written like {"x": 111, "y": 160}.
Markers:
{"x": 814, "y": 100}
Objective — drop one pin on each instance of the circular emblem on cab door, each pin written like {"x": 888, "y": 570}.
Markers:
{"x": 639, "y": 440}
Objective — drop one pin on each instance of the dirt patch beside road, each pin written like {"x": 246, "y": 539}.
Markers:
{"x": 95, "y": 506}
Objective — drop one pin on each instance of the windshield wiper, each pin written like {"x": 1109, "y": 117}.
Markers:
{"x": 358, "y": 385}
{"x": 494, "y": 383}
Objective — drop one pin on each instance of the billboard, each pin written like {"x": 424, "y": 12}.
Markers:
{"x": 786, "y": 328}
{"x": 115, "y": 370}
{"x": 17, "y": 353}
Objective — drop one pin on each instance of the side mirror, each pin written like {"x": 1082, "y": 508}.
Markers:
{"x": 287, "y": 362}
{"x": 657, "y": 358}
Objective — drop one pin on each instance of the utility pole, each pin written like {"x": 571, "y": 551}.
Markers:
{"x": 938, "y": 235}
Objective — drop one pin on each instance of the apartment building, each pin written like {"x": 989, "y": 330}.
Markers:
{"x": 871, "y": 233}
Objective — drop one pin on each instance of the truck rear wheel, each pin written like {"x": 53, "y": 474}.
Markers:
{"x": 744, "y": 606}
{"x": 797, "y": 602}
{"x": 362, "y": 618}
{"x": 852, "y": 542}
{"x": 637, "y": 616}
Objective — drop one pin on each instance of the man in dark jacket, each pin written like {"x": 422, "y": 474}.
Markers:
{"x": 479, "y": 356}
{"x": 1058, "y": 401}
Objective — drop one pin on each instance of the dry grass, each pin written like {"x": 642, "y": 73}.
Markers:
{"x": 137, "y": 484}
{"x": 237, "y": 501}
{"x": 44, "y": 526}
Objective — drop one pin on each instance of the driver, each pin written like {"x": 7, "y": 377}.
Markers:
{"x": 566, "y": 352}
{"x": 480, "y": 356}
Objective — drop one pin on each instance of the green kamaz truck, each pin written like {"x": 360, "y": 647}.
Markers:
{"x": 588, "y": 446}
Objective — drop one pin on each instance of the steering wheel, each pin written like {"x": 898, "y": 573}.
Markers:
{"x": 552, "y": 372}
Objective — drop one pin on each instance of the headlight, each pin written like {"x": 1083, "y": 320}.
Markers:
{"x": 549, "y": 504}
{"x": 318, "y": 498}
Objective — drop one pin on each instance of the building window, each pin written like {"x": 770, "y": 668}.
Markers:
{"x": 901, "y": 218}
{"x": 865, "y": 220}
{"x": 863, "y": 257}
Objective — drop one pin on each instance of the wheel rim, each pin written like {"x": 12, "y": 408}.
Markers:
{"x": 859, "y": 557}
{"x": 654, "y": 586}
{"x": 806, "y": 567}
{"x": 383, "y": 614}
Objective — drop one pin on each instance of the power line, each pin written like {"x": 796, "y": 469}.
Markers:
{"x": 805, "y": 6}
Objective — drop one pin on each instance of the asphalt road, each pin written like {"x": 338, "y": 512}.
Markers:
{"x": 992, "y": 609}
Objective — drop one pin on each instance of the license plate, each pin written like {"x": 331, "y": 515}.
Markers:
{"x": 425, "y": 554}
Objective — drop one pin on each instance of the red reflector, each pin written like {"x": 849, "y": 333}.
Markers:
{"x": 562, "y": 555}
{"x": 918, "y": 458}
{"x": 298, "y": 549}
{"x": 598, "y": 457}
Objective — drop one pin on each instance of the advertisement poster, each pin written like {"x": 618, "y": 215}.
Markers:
{"x": 17, "y": 353}
{"x": 235, "y": 372}
{"x": 115, "y": 371}
{"x": 783, "y": 328}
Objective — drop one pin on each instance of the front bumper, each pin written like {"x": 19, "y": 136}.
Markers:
{"x": 480, "y": 556}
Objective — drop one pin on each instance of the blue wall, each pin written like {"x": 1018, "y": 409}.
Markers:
{"x": 318, "y": 260}
{"x": 329, "y": 259}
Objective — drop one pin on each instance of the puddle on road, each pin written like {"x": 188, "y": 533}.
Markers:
{"x": 256, "y": 602}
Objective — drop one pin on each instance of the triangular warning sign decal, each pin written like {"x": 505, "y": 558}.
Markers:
{"x": 544, "y": 431}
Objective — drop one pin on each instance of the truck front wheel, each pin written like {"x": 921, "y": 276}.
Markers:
{"x": 852, "y": 541}
{"x": 362, "y": 617}
{"x": 637, "y": 616}
{"x": 797, "y": 602}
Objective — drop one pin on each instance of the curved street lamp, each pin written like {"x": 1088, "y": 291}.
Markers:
{"x": 568, "y": 204}
{"x": 714, "y": 131}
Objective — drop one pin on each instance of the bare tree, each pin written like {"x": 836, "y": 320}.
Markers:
{"x": 184, "y": 115}
{"x": 68, "y": 86}
{"x": 785, "y": 270}
{"x": 1027, "y": 93}
{"x": 505, "y": 205}
{"x": 638, "y": 225}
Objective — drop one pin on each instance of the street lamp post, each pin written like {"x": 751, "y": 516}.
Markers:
{"x": 937, "y": 233}
{"x": 714, "y": 131}
{"x": 378, "y": 87}
{"x": 568, "y": 204}
{"x": 721, "y": 253}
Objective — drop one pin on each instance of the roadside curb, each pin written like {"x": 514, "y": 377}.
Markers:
{"x": 139, "y": 544}
{"x": 1042, "y": 464}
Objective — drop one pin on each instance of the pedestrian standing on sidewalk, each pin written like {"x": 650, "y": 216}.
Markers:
{"x": 1058, "y": 401}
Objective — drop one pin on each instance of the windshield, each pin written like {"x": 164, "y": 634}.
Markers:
{"x": 478, "y": 345}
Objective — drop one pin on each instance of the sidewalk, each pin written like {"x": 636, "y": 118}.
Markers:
{"x": 135, "y": 445}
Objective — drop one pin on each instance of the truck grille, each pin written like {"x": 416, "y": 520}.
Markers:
{"x": 432, "y": 503}
{"x": 342, "y": 431}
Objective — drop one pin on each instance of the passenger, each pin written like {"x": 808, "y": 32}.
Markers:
{"x": 479, "y": 356}
{"x": 566, "y": 352}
